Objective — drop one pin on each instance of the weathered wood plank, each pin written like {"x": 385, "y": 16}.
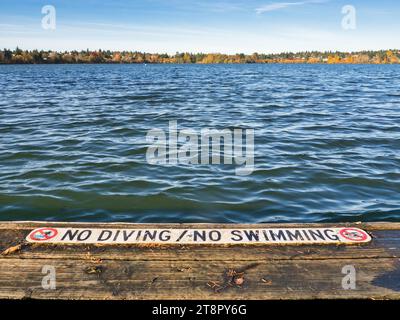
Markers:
{"x": 199, "y": 271}
{"x": 20, "y": 278}
{"x": 209, "y": 253}
{"x": 385, "y": 244}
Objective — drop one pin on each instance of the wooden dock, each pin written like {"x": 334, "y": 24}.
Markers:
{"x": 105, "y": 271}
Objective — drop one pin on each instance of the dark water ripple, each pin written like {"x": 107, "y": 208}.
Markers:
{"x": 73, "y": 142}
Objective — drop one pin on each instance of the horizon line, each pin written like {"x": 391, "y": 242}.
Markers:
{"x": 201, "y": 52}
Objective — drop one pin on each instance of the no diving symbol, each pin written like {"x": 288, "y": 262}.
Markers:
{"x": 43, "y": 234}
{"x": 353, "y": 234}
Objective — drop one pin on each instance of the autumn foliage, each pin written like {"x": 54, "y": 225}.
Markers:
{"x": 19, "y": 56}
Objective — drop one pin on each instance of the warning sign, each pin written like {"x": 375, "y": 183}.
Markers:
{"x": 200, "y": 236}
{"x": 353, "y": 234}
{"x": 43, "y": 234}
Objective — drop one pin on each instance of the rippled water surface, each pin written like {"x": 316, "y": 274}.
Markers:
{"x": 73, "y": 147}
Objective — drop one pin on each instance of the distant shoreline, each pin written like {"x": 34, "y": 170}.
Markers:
{"x": 199, "y": 64}
{"x": 19, "y": 56}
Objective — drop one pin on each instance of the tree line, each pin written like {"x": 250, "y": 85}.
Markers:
{"x": 19, "y": 56}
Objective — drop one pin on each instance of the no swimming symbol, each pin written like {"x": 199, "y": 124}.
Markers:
{"x": 43, "y": 234}
{"x": 353, "y": 234}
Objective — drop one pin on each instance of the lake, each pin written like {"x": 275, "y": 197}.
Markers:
{"x": 326, "y": 142}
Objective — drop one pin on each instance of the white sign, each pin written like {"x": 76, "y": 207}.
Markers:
{"x": 200, "y": 236}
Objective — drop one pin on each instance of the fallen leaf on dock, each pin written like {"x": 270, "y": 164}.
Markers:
{"x": 234, "y": 277}
{"x": 214, "y": 285}
{"x": 94, "y": 270}
{"x": 92, "y": 258}
{"x": 266, "y": 281}
{"x": 231, "y": 278}
{"x": 183, "y": 269}
{"x": 12, "y": 249}
{"x": 239, "y": 281}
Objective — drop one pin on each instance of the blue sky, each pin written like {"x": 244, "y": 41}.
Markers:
{"x": 201, "y": 25}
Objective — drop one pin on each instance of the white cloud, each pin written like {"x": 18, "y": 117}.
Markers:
{"x": 283, "y": 5}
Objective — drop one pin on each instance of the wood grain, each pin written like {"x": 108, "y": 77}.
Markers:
{"x": 199, "y": 272}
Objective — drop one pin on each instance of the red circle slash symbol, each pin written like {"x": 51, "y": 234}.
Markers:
{"x": 353, "y": 234}
{"x": 43, "y": 234}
